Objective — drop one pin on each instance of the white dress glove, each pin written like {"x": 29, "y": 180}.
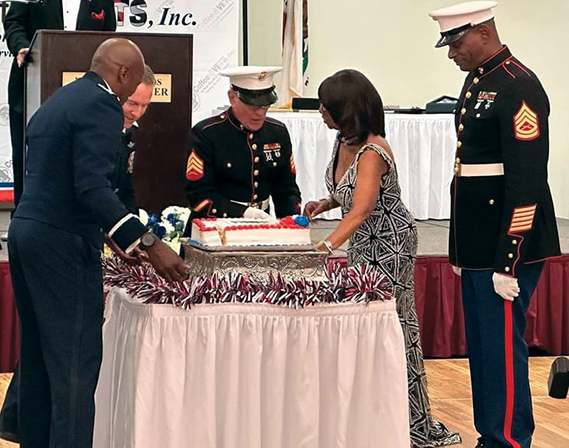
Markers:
{"x": 255, "y": 213}
{"x": 505, "y": 286}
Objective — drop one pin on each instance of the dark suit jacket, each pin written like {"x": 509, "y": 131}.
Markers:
{"x": 125, "y": 168}
{"x": 24, "y": 19}
{"x": 73, "y": 143}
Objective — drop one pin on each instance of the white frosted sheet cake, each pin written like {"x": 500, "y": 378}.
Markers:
{"x": 235, "y": 232}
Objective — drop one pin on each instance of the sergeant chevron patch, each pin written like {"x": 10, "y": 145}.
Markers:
{"x": 526, "y": 123}
{"x": 194, "y": 169}
{"x": 522, "y": 219}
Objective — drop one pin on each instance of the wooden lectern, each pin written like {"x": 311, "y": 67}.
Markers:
{"x": 163, "y": 133}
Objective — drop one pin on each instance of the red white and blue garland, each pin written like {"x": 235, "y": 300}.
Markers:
{"x": 360, "y": 284}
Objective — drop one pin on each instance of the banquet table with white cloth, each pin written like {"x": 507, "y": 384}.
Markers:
{"x": 424, "y": 147}
{"x": 237, "y": 375}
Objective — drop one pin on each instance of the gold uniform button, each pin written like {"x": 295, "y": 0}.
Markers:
{"x": 257, "y": 160}
{"x": 477, "y": 115}
{"x": 228, "y": 164}
{"x": 507, "y": 269}
{"x": 461, "y": 127}
{"x": 475, "y": 80}
{"x": 507, "y": 62}
{"x": 256, "y": 173}
{"x": 214, "y": 211}
{"x": 225, "y": 215}
{"x": 254, "y": 146}
{"x": 458, "y": 144}
{"x": 255, "y": 196}
{"x": 250, "y": 136}
{"x": 222, "y": 117}
{"x": 255, "y": 184}
{"x": 491, "y": 201}
{"x": 514, "y": 241}
{"x": 457, "y": 160}
{"x": 510, "y": 255}
{"x": 463, "y": 111}
{"x": 468, "y": 94}
{"x": 274, "y": 163}
{"x": 480, "y": 70}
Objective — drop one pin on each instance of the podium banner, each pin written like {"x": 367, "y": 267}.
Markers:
{"x": 215, "y": 26}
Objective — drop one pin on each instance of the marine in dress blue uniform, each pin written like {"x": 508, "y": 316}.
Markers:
{"x": 233, "y": 169}
{"x": 55, "y": 240}
{"x": 502, "y": 218}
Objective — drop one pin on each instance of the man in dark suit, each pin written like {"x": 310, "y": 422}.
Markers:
{"x": 55, "y": 240}
{"x": 20, "y": 24}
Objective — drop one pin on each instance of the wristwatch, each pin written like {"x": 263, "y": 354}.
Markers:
{"x": 148, "y": 240}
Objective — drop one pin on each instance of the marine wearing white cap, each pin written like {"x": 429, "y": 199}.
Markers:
{"x": 252, "y": 84}
{"x": 240, "y": 158}
{"x": 456, "y": 20}
{"x": 502, "y": 223}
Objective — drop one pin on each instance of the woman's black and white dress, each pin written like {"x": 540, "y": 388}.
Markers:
{"x": 387, "y": 240}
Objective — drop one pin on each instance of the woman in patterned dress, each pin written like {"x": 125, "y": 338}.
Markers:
{"x": 362, "y": 179}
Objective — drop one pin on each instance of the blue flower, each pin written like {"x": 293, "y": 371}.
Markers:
{"x": 301, "y": 221}
{"x": 160, "y": 231}
{"x": 171, "y": 218}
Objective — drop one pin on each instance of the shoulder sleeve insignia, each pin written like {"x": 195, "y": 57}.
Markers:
{"x": 195, "y": 167}
{"x": 522, "y": 219}
{"x": 292, "y": 165}
{"x": 526, "y": 123}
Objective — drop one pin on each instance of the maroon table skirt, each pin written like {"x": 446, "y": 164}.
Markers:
{"x": 439, "y": 307}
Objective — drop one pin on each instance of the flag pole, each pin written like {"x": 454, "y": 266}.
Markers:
{"x": 245, "y": 38}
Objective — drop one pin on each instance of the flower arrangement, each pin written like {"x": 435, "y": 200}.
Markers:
{"x": 170, "y": 225}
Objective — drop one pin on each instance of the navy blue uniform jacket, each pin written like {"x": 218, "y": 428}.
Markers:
{"x": 500, "y": 222}
{"x": 73, "y": 143}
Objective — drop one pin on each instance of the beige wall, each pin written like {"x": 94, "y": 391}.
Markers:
{"x": 391, "y": 41}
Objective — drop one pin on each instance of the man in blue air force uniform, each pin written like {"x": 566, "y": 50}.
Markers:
{"x": 55, "y": 240}
{"x": 502, "y": 218}
{"x": 240, "y": 158}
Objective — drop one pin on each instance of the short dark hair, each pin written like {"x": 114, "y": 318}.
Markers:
{"x": 354, "y": 104}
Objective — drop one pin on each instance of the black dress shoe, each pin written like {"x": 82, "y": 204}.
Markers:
{"x": 9, "y": 436}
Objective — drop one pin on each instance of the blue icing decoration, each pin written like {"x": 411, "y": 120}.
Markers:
{"x": 301, "y": 221}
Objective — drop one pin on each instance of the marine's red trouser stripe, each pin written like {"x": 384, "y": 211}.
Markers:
{"x": 509, "y": 366}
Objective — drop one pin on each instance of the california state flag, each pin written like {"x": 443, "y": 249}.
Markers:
{"x": 295, "y": 51}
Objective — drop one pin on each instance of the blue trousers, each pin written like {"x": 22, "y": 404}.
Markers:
{"x": 499, "y": 357}
{"x": 57, "y": 282}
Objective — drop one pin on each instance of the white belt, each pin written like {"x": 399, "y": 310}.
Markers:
{"x": 479, "y": 170}
{"x": 263, "y": 205}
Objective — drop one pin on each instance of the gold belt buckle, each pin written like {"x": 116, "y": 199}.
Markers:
{"x": 457, "y": 167}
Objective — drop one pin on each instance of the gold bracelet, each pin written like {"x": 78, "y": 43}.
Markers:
{"x": 328, "y": 245}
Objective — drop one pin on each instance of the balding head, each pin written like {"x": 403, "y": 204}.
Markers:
{"x": 121, "y": 63}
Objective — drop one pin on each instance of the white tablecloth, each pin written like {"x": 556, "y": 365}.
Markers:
{"x": 423, "y": 145}
{"x": 251, "y": 376}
